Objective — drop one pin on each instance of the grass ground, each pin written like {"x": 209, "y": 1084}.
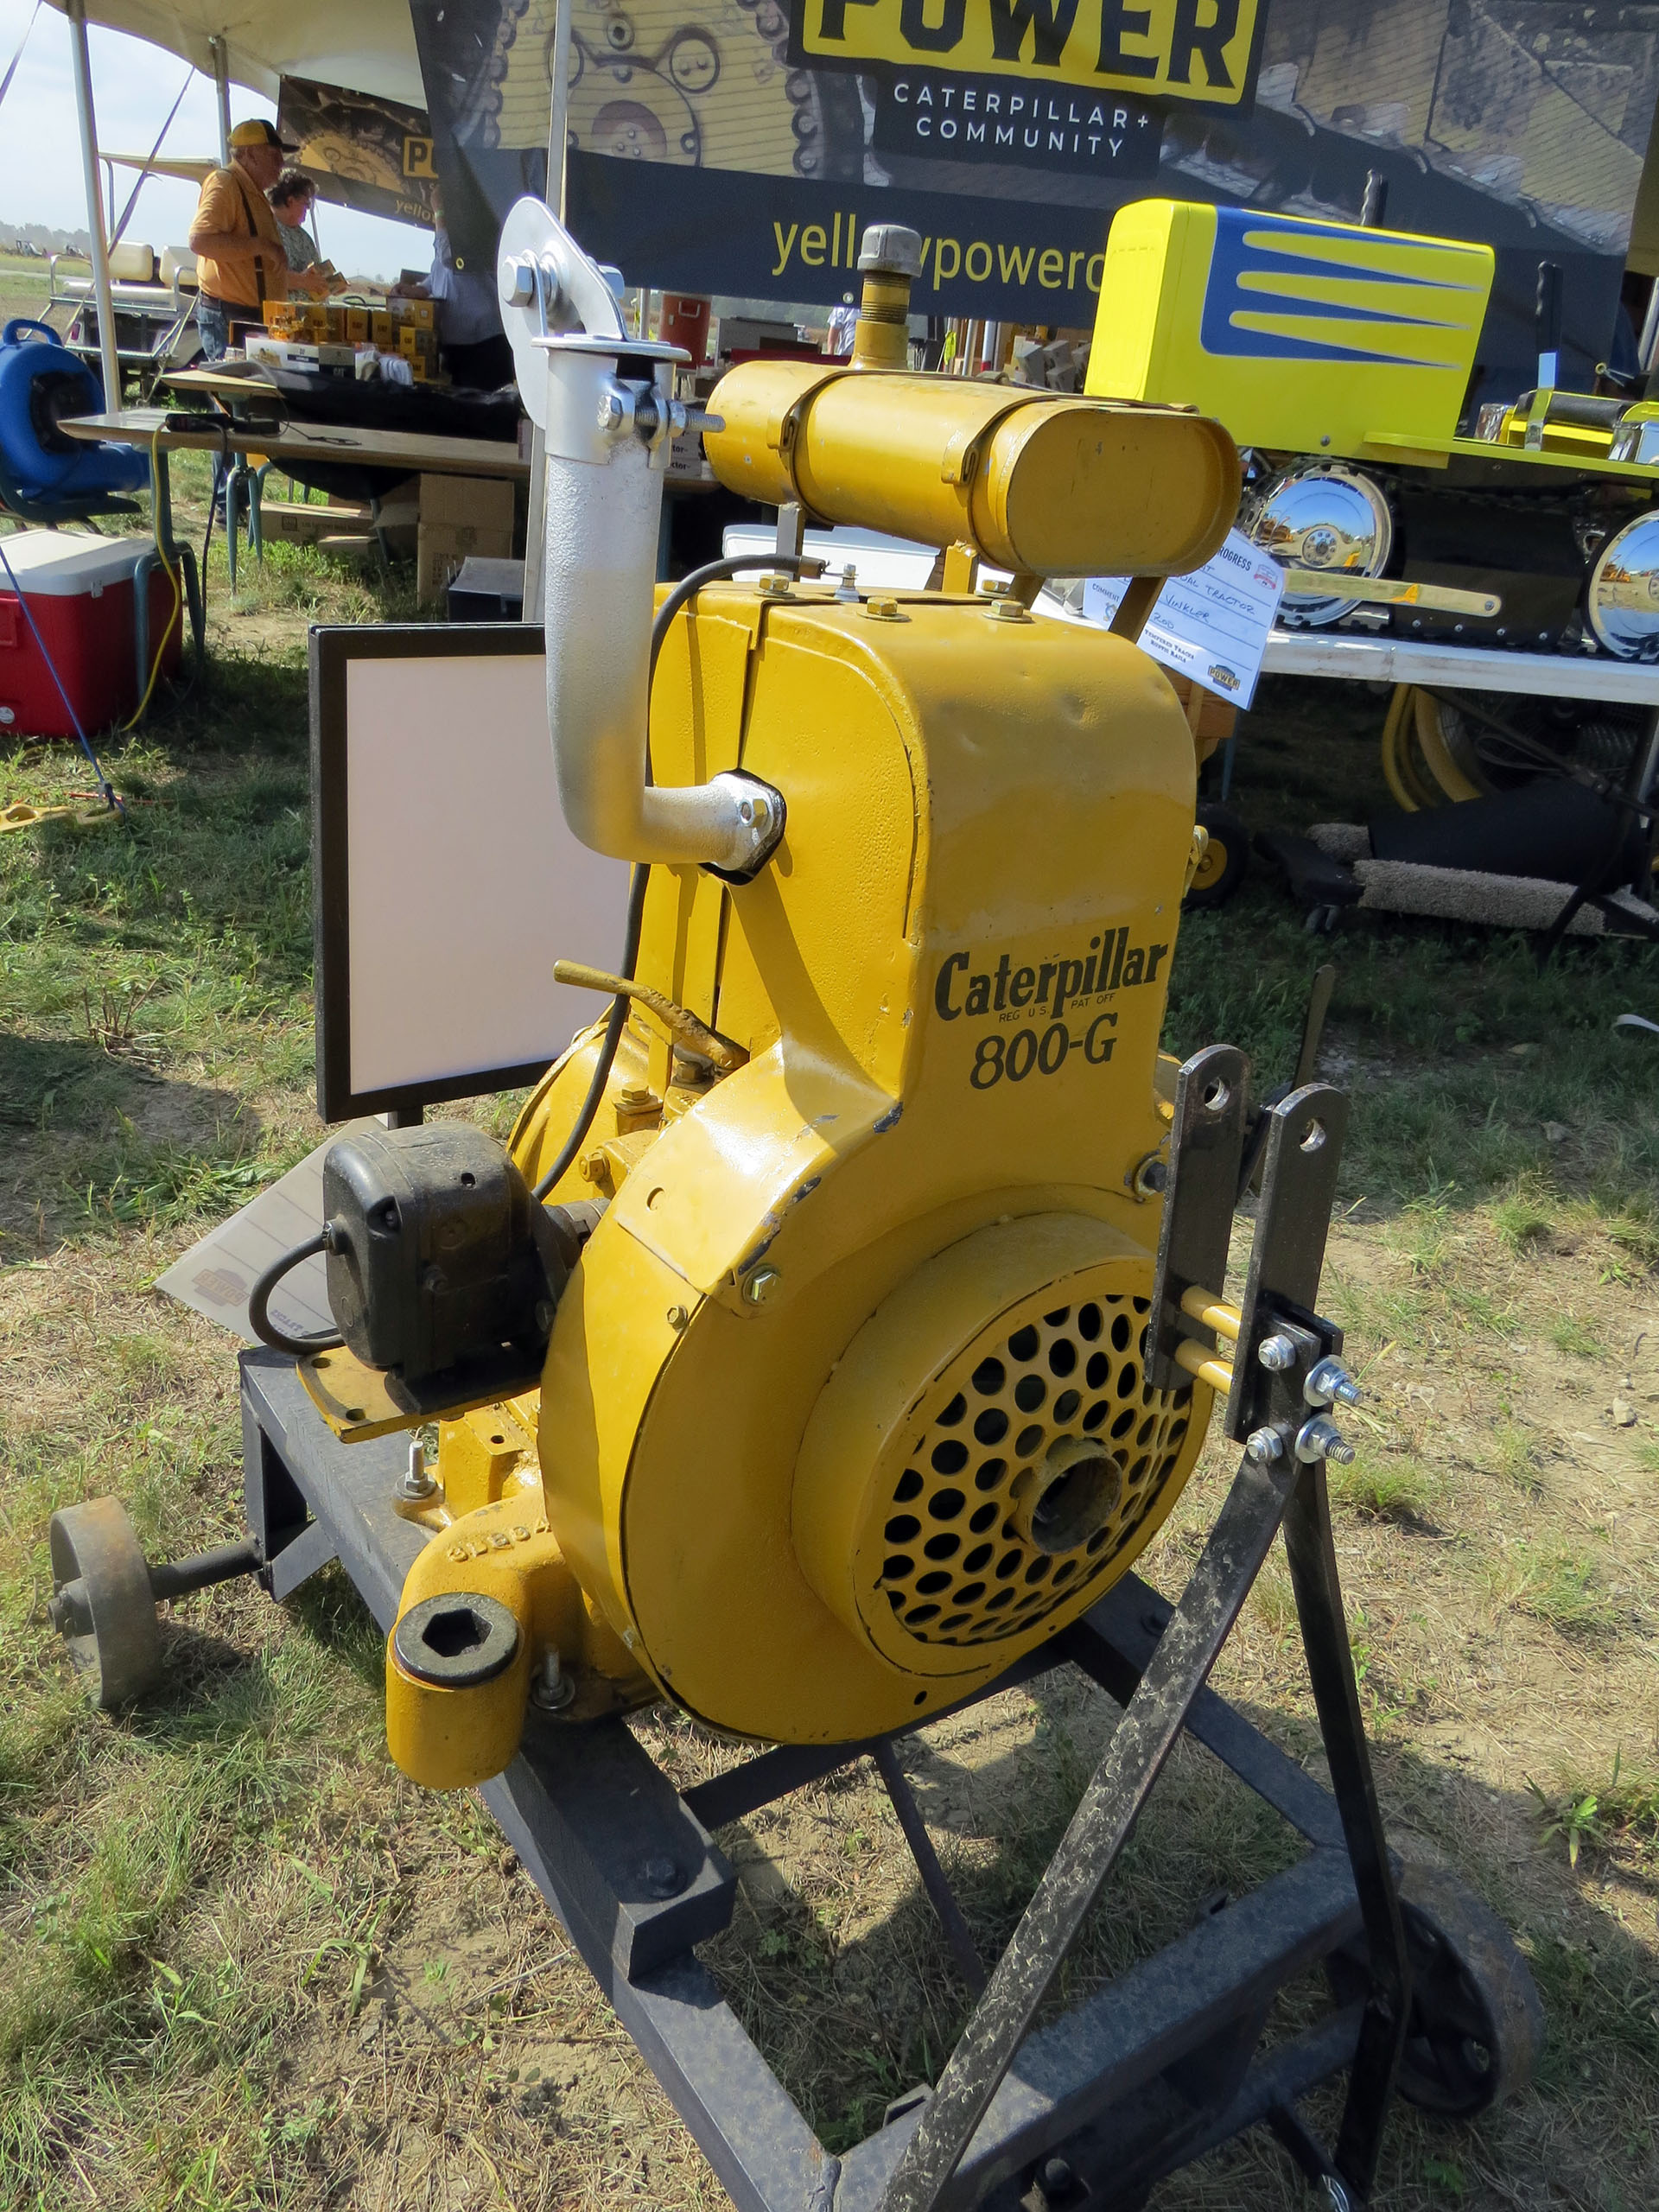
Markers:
{"x": 22, "y": 286}
{"x": 245, "y": 1964}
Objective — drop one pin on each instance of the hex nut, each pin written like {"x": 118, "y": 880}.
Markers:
{"x": 1330, "y": 1383}
{"x": 551, "y": 1687}
{"x": 417, "y": 1482}
{"x": 1152, "y": 1176}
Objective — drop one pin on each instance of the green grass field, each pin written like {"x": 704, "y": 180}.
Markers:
{"x": 245, "y": 1964}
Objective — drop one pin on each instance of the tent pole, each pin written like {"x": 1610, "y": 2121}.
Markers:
{"x": 557, "y": 133}
{"x": 120, "y": 232}
{"x": 558, "y": 121}
{"x": 222, "y": 86}
{"x": 76, "y": 11}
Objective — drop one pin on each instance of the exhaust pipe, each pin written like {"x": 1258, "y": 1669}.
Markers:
{"x": 605, "y": 406}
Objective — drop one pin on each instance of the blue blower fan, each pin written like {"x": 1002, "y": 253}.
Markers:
{"x": 45, "y": 475}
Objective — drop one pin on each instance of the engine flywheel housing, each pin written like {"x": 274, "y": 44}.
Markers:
{"x": 988, "y": 1456}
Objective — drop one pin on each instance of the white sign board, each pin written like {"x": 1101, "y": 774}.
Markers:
{"x": 448, "y": 881}
{"x": 1211, "y": 626}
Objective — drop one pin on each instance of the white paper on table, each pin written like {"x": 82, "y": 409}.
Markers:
{"x": 1211, "y": 626}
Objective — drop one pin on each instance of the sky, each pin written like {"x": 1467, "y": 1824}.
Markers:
{"x": 133, "y": 86}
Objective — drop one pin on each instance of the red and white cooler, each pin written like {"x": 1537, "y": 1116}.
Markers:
{"x": 80, "y": 592}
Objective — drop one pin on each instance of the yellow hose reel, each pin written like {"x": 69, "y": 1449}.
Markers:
{"x": 1418, "y": 756}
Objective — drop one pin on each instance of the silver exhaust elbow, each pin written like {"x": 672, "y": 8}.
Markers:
{"x": 604, "y": 403}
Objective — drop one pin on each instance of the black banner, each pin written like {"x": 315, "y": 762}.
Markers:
{"x": 719, "y": 146}
{"x": 770, "y": 237}
{"x": 360, "y": 151}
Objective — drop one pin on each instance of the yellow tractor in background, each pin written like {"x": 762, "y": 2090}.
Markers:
{"x": 1340, "y": 357}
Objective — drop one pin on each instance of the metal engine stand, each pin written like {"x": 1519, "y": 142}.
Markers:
{"x": 1429, "y": 1997}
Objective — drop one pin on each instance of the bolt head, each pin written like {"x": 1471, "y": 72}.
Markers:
{"x": 1320, "y": 1438}
{"x": 663, "y": 1876}
{"x": 1264, "y": 1447}
{"x": 1276, "y": 1354}
{"x": 611, "y": 409}
{"x": 678, "y": 1318}
{"x": 764, "y": 1284}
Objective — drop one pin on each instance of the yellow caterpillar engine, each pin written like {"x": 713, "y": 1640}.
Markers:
{"x": 790, "y": 1363}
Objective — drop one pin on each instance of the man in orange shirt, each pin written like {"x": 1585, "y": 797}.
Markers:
{"x": 240, "y": 263}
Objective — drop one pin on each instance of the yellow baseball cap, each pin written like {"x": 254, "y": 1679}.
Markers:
{"x": 258, "y": 132}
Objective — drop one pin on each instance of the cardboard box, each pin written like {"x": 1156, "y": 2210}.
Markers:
{"x": 406, "y": 345}
{"x": 440, "y": 549}
{"x": 468, "y": 503}
{"x": 283, "y": 353}
{"x": 357, "y": 326}
{"x": 380, "y": 329}
{"x": 401, "y": 510}
{"x": 460, "y": 516}
{"x": 307, "y": 521}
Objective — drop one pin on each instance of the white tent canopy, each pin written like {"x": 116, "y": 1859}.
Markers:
{"x": 366, "y": 45}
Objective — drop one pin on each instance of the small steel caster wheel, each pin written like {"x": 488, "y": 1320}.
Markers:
{"x": 1227, "y": 857}
{"x": 1476, "y": 2021}
{"x": 102, "y": 1604}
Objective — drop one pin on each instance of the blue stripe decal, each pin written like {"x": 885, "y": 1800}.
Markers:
{"x": 1290, "y": 230}
{"x": 1241, "y": 251}
{"x": 1266, "y": 299}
